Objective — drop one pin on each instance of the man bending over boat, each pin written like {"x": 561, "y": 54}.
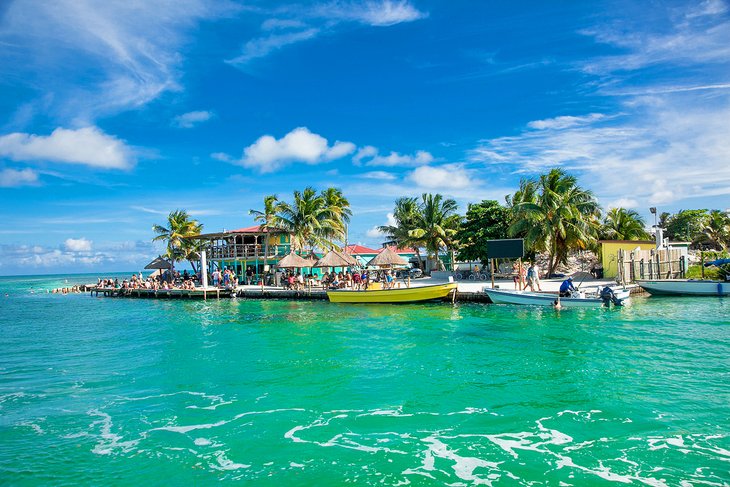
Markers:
{"x": 567, "y": 288}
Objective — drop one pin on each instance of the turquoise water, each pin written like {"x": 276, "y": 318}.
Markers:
{"x": 103, "y": 391}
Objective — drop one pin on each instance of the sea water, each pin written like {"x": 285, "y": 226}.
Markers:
{"x": 114, "y": 391}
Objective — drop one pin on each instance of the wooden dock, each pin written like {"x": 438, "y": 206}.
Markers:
{"x": 208, "y": 293}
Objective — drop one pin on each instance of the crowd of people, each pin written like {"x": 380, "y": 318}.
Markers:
{"x": 169, "y": 279}
{"x": 526, "y": 276}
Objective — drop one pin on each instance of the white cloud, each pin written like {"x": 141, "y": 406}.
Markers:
{"x": 623, "y": 203}
{"x": 268, "y": 154}
{"x": 365, "y": 153}
{"x": 129, "y": 50}
{"x": 263, "y": 46}
{"x": 374, "y": 232}
{"x": 376, "y": 13}
{"x": 190, "y": 119}
{"x": 321, "y": 19}
{"x": 11, "y": 178}
{"x": 564, "y": 121}
{"x": 394, "y": 158}
{"x": 87, "y": 146}
{"x": 78, "y": 245}
{"x": 379, "y": 175}
{"x": 447, "y": 177}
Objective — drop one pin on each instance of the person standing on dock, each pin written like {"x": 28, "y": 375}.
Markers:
{"x": 249, "y": 276}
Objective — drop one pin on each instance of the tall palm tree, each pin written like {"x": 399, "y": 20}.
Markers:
{"x": 338, "y": 213}
{"x": 717, "y": 230}
{"x": 623, "y": 224}
{"x": 405, "y": 214}
{"x": 177, "y": 232}
{"x": 267, "y": 218}
{"x": 304, "y": 219}
{"x": 561, "y": 216}
{"x": 435, "y": 225}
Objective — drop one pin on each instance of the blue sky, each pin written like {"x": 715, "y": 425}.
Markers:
{"x": 114, "y": 113}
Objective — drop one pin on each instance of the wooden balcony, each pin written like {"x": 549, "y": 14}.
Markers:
{"x": 246, "y": 252}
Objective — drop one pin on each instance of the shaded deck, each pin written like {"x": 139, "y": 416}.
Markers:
{"x": 208, "y": 293}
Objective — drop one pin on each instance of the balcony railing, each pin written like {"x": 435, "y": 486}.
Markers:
{"x": 246, "y": 251}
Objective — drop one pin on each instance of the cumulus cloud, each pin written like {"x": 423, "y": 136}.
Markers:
{"x": 87, "y": 146}
{"x": 191, "y": 119}
{"x": 78, "y": 245}
{"x": 374, "y": 232}
{"x": 11, "y": 178}
{"x": 447, "y": 177}
{"x": 268, "y": 154}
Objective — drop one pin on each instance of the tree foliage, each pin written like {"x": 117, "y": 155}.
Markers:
{"x": 483, "y": 221}
{"x": 686, "y": 225}
{"x": 178, "y": 228}
{"x": 623, "y": 224}
{"x": 554, "y": 214}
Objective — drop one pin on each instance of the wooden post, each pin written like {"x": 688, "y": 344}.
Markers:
{"x": 658, "y": 260}
{"x": 491, "y": 270}
{"x": 669, "y": 263}
{"x": 702, "y": 263}
{"x": 521, "y": 284}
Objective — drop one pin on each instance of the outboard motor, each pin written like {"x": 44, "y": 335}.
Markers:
{"x": 608, "y": 296}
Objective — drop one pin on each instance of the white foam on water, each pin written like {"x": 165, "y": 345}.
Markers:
{"x": 296, "y": 465}
{"x": 110, "y": 442}
{"x": 202, "y": 442}
{"x": 224, "y": 463}
{"x": 463, "y": 466}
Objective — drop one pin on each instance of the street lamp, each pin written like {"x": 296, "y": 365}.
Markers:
{"x": 652, "y": 210}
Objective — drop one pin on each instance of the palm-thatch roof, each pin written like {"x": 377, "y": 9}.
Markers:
{"x": 293, "y": 261}
{"x": 333, "y": 259}
{"x": 386, "y": 258}
{"x": 350, "y": 258}
{"x": 159, "y": 263}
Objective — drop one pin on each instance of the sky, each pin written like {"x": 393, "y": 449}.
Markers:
{"x": 113, "y": 114}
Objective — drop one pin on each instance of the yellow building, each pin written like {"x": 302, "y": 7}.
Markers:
{"x": 609, "y": 253}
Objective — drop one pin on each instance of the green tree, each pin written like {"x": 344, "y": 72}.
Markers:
{"x": 557, "y": 217}
{"x": 180, "y": 227}
{"x": 716, "y": 231}
{"x": 435, "y": 225}
{"x": 267, "y": 218}
{"x": 314, "y": 220}
{"x": 623, "y": 224}
{"x": 686, "y": 225}
{"x": 404, "y": 216}
{"x": 484, "y": 221}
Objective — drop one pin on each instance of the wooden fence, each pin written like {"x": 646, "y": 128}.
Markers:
{"x": 651, "y": 264}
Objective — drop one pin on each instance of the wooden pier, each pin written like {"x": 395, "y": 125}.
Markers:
{"x": 208, "y": 293}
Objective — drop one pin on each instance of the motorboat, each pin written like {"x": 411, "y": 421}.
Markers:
{"x": 399, "y": 295}
{"x": 606, "y": 297}
{"x": 686, "y": 287}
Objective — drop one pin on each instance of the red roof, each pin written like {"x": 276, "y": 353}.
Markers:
{"x": 359, "y": 249}
{"x": 253, "y": 229}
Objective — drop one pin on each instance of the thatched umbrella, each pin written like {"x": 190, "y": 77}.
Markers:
{"x": 293, "y": 261}
{"x": 333, "y": 259}
{"x": 311, "y": 259}
{"x": 350, "y": 258}
{"x": 159, "y": 263}
{"x": 387, "y": 258}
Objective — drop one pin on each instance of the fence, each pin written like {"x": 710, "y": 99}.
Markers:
{"x": 651, "y": 264}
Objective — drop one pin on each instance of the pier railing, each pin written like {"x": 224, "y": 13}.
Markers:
{"x": 246, "y": 251}
{"x": 651, "y": 264}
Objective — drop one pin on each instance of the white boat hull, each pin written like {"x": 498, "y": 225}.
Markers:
{"x": 688, "y": 287}
{"x": 499, "y": 296}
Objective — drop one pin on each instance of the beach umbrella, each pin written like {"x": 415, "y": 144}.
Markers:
{"x": 350, "y": 258}
{"x": 293, "y": 261}
{"x": 159, "y": 263}
{"x": 333, "y": 259}
{"x": 387, "y": 258}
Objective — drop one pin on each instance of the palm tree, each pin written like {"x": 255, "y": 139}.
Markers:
{"x": 558, "y": 217}
{"x": 338, "y": 213}
{"x": 405, "y": 214}
{"x": 179, "y": 228}
{"x": 304, "y": 219}
{"x": 267, "y": 218}
{"x": 435, "y": 225}
{"x": 623, "y": 224}
{"x": 717, "y": 230}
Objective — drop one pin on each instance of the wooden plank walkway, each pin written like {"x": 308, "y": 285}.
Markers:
{"x": 208, "y": 293}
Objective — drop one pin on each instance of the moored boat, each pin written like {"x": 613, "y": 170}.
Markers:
{"x": 578, "y": 300}
{"x": 686, "y": 287}
{"x": 401, "y": 295}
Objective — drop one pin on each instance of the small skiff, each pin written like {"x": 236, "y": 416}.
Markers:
{"x": 687, "y": 287}
{"x": 504, "y": 296}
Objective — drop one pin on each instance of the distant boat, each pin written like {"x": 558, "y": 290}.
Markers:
{"x": 400, "y": 295}
{"x": 505, "y": 296}
{"x": 688, "y": 287}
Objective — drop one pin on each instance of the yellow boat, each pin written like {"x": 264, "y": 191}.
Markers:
{"x": 400, "y": 295}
